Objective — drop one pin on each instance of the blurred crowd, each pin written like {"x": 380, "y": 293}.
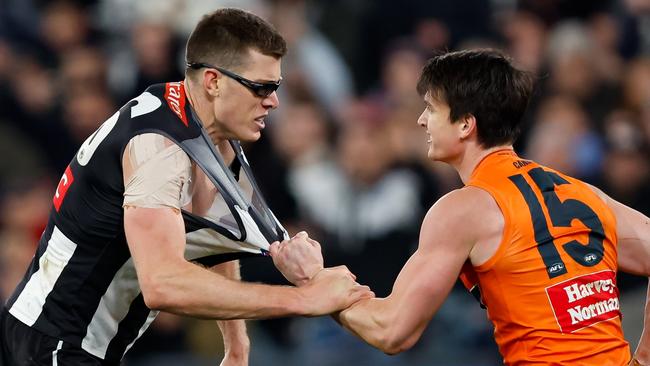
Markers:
{"x": 343, "y": 157}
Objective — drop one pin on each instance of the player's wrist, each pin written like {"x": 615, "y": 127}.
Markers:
{"x": 302, "y": 281}
{"x": 308, "y": 304}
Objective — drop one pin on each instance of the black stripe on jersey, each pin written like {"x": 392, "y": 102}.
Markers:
{"x": 213, "y": 260}
{"x": 128, "y": 329}
{"x": 194, "y": 223}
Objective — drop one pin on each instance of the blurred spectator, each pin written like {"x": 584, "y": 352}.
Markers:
{"x": 376, "y": 218}
{"x": 84, "y": 70}
{"x": 525, "y": 34}
{"x": 639, "y": 17}
{"x": 626, "y": 169}
{"x": 604, "y": 31}
{"x": 562, "y": 139}
{"x": 302, "y": 138}
{"x": 25, "y": 208}
{"x": 22, "y": 161}
{"x": 156, "y": 51}
{"x": 574, "y": 71}
{"x": 636, "y": 85}
{"x": 437, "y": 25}
{"x": 32, "y": 107}
{"x": 626, "y": 173}
{"x": 85, "y": 112}
{"x": 16, "y": 252}
{"x": 64, "y": 26}
{"x": 313, "y": 60}
{"x": 400, "y": 70}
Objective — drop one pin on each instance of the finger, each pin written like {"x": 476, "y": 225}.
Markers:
{"x": 360, "y": 293}
{"x": 364, "y": 290}
{"x": 342, "y": 268}
{"x": 302, "y": 234}
{"x": 313, "y": 242}
{"x": 274, "y": 248}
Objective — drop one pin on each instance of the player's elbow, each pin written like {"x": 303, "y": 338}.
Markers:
{"x": 393, "y": 338}
{"x": 156, "y": 296}
{"x": 392, "y": 345}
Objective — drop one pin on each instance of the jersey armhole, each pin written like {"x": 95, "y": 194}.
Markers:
{"x": 505, "y": 235}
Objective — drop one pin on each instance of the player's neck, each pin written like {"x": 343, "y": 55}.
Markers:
{"x": 472, "y": 157}
{"x": 203, "y": 110}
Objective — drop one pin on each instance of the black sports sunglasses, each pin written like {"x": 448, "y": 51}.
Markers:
{"x": 260, "y": 89}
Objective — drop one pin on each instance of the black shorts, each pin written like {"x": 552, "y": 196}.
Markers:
{"x": 21, "y": 345}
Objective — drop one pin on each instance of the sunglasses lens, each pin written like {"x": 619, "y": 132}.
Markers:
{"x": 266, "y": 90}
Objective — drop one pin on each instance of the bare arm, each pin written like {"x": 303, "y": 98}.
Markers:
{"x": 235, "y": 339}
{"x": 633, "y": 230}
{"x": 156, "y": 239}
{"x": 642, "y": 353}
{"x": 393, "y": 324}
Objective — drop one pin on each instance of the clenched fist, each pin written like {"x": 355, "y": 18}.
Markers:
{"x": 298, "y": 259}
{"x": 332, "y": 290}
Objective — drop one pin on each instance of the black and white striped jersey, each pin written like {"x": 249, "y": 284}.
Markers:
{"x": 81, "y": 286}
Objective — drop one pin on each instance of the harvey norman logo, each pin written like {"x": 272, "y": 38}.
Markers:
{"x": 585, "y": 300}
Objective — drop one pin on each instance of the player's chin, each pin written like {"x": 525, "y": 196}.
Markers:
{"x": 250, "y": 136}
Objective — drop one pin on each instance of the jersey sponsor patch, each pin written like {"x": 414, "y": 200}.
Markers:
{"x": 66, "y": 180}
{"x": 175, "y": 97}
{"x": 585, "y": 300}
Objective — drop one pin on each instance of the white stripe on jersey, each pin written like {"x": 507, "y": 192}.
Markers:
{"x": 113, "y": 308}
{"x": 29, "y": 305}
{"x": 55, "y": 357}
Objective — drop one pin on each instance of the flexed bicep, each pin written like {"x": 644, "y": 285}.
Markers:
{"x": 633, "y": 235}
{"x": 633, "y": 230}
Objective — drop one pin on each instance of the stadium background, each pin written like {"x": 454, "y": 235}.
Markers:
{"x": 343, "y": 156}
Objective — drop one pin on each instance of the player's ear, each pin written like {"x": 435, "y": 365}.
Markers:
{"x": 466, "y": 125}
{"x": 211, "y": 82}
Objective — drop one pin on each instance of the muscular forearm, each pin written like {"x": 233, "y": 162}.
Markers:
{"x": 170, "y": 283}
{"x": 190, "y": 290}
{"x": 642, "y": 353}
{"x": 228, "y": 269}
{"x": 373, "y": 321}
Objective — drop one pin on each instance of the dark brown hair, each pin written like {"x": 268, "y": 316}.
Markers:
{"x": 483, "y": 83}
{"x": 224, "y": 37}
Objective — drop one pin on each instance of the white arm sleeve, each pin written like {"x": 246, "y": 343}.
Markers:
{"x": 156, "y": 172}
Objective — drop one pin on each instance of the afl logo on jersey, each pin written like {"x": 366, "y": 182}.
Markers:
{"x": 590, "y": 258}
{"x": 555, "y": 268}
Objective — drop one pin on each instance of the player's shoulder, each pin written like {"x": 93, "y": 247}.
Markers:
{"x": 587, "y": 187}
{"x": 467, "y": 198}
{"x": 463, "y": 207}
